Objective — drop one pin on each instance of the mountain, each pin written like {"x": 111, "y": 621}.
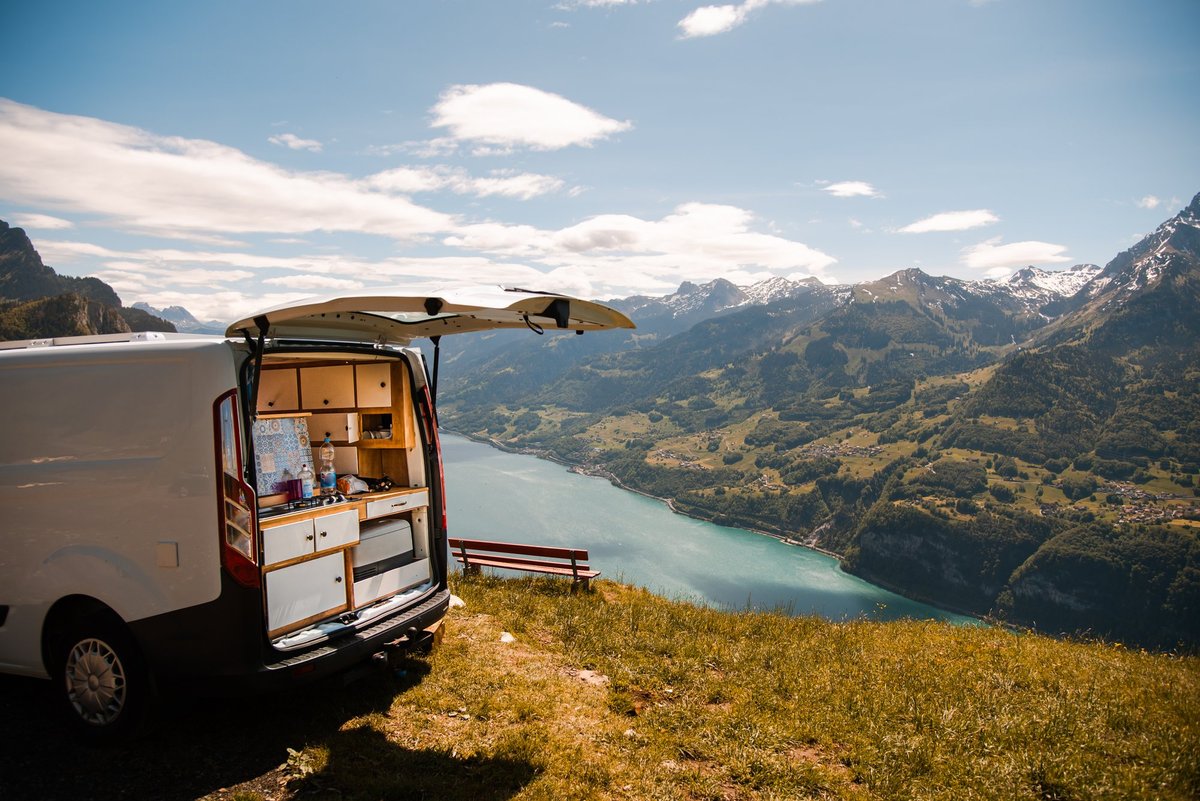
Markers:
{"x": 504, "y": 366}
{"x": 1040, "y": 288}
{"x": 1025, "y": 448}
{"x": 182, "y": 319}
{"x": 37, "y": 302}
{"x": 65, "y": 315}
{"x": 24, "y": 277}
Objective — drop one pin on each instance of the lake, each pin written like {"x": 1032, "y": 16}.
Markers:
{"x": 494, "y": 495}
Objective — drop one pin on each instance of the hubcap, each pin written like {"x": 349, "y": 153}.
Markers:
{"x": 95, "y": 682}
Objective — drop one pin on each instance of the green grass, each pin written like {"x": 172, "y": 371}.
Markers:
{"x": 695, "y": 703}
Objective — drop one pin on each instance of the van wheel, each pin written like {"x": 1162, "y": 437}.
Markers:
{"x": 103, "y": 685}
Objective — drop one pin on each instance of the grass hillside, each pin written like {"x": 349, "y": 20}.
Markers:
{"x": 620, "y": 694}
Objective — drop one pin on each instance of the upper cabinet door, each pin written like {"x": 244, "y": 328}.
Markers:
{"x": 277, "y": 392}
{"x": 373, "y": 383}
{"x": 327, "y": 387}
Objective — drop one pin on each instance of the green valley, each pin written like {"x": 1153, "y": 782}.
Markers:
{"x": 1029, "y": 457}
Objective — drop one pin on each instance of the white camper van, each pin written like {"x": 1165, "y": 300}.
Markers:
{"x": 152, "y": 535}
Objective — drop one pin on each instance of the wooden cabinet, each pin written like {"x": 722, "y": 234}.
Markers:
{"x": 277, "y": 391}
{"x": 308, "y": 558}
{"x": 306, "y": 591}
{"x": 301, "y": 538}
{"x": 373, "y": 385}
{"x": 366, "y": 408}
{"x": 305, "y": 561}
{"x": 327, "y": 387}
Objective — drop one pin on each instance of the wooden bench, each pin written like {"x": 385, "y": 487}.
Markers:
{"x": 476, "y": 554}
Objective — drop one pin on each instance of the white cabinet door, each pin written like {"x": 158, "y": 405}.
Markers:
{"x": 327, "y": 387}
{"x": 336, "y": 530}
{"x": 306, "y": 590}
{"x": 304, "y": 537}
{"x": 277, "y": 391}
{"x": 281, "y": 543}
{"x": 374, "y": 385}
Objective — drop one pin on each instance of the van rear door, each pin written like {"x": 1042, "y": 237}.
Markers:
{"x": 383, "y": 319}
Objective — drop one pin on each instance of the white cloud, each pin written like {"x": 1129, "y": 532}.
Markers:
{"x": 204, "y": 194}
{"x": 506, "y": 183}
{"x": 991, "y": 255}
{"x": 951, "y": 221}
{"x": 502, "y": 116}
{"x": 1149, "y": 202}
{"x": 296, "y": 143}
{"x": 618, "y": 254}
{"x": 711, "y": 20}
{"x": 172, "y": 186}
{"x": 42, "y": 221}
{"x": 852, "y": 189}
{"x": 313, "y": 282}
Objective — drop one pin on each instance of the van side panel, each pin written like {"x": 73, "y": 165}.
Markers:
{"x": 107, "y": 484}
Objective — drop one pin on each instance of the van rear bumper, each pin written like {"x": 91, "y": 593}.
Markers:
{"x": 229, "y": 664}
{"x": 347, "y": 650}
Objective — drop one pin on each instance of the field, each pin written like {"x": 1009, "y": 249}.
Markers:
{"x": 539, "y": 694}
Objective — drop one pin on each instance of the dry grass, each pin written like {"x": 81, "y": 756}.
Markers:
{"x": 621, "y": 694}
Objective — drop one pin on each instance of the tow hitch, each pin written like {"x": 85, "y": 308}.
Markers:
{"x": 414, "y": 640}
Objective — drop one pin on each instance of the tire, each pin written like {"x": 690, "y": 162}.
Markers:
{"x": 100, "y": 678}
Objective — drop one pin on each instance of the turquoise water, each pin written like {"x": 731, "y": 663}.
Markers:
{"x": 495, "y": 495}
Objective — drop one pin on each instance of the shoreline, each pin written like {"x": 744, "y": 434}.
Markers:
{"x": 670, "y": 504}
{"x": 595, "y": 472}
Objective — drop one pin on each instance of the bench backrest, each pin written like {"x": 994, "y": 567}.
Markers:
{"x": 550, "y": 551}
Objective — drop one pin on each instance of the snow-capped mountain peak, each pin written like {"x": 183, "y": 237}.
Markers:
{"x": 1032, "y": 282}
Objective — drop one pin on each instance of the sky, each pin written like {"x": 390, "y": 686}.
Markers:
{"x": 230, "y": 156}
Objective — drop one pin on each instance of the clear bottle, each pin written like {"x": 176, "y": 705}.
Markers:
{"x": 326, "y": 475}
{"x": 306, "y": 481}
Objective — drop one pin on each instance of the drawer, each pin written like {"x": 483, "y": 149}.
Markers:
{"x": 391, "y": 582}
{"x": 397, "y": 503}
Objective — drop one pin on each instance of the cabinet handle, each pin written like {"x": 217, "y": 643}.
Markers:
{"x": 270, "y": 403}
{"x": 326, "y": 401}
{"x": 323, "y": 533}
{"x": 382, "y": 383}
{"x": 308, "y": 537}
{"x": 400, "y": 504}
{"x": 338, "y": 580}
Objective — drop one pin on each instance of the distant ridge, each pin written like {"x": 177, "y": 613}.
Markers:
{"x": 36, "y": 302}
{"x": 183, "y": 320}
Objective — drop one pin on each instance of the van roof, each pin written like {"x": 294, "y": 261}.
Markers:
{"x": 100, "y": 339}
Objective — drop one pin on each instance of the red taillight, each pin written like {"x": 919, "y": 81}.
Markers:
{"x": 431, "y": 426}
{"x": 235, "y": 499}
